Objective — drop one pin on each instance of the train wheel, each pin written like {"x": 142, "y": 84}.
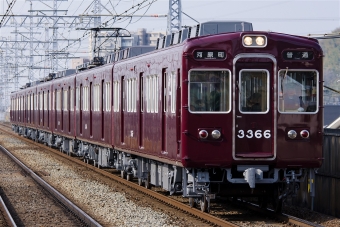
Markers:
{"x": 191, "y": 202}
{"x": 204, "y": 204}
{"x": 278, "y": 206}
{"x": 276, "y": 201}
{"x": 140, "y": 181}
{"x": 147, "y": 183}
{"x": 122, "y": 174}
{"x": 263, "y": 202}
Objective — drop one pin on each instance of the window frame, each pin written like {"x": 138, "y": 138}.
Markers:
{"x": 267, "y": 94}
{"x": 317, "y": 90}
{"x": 228, "y": 94}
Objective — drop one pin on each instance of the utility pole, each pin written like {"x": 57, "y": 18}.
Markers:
{"x": 174, "y": 16}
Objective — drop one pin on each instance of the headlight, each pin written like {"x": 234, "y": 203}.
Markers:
{"x": 292, "y": 134}
{"x": 260, "y": 41}
{"x": 248, "y": 40}
{"x": 254, "y": 41}
{"x": 216, "y": 134}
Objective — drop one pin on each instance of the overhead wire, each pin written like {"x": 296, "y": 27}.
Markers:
{"x": 9, "y": 9}
{"x": 104, "y": 23}
{"x": 139, "y": 6}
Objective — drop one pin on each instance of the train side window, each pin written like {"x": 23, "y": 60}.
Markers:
{"x": 254, "y": 92}
{"x": 155, "y": 93}
{"x": 65, "y": 99}
{"x": 298, "y": 91}
{"x": 108, "y": 96}
{"x": 41, "y": 101}
{"x": 172, "y": 91}
{"x": 45, "y": 101}
{"x": 71, "y": 99}
{"x": 148, "y": 91}
{"x": 77, "y": 98}
{"x": 85, "y": 106}
{"x": 134, "y": 89}
{"x": 165, "y": 78}
{"x": 96, "y": 98}
{"x": 116, "y": 97}
{"x": 58, "y": 100}
{"x": 141, "y": 92}
{"x": 209, "y": 91}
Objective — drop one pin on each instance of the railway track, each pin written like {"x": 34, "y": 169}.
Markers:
{"x": 28, "y": 197}
{"x": 209, "y": 219}
{"x": 5, "y": 216}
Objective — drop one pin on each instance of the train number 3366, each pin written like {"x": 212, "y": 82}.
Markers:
{"x": 250, "y": 134}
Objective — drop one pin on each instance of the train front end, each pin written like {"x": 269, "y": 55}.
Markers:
{"x": 252, "y": 119}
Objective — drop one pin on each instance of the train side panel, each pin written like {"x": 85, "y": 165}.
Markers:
{"x": 93, "y": 105}
{"x": 63, "y": 110}
{"x": 145, "y": 120}
{"x": 42, "y": 103}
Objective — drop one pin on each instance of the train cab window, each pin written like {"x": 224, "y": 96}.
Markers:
{"x": 209, "y": 91}
{"x": 297, "y": 91}
{"x": 254, "y": 95}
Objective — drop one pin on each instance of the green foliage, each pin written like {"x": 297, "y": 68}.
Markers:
{"x": 331, "y": 66}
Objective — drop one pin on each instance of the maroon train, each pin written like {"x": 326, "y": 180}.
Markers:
{"x": 216, "y": 109}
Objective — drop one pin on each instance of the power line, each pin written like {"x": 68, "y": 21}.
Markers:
{"x": 10, "y": 6}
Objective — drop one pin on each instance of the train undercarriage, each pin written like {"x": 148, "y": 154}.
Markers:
{"x": 269, "y": 185}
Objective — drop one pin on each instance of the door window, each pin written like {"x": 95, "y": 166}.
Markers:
{"x": 254, "y": 92}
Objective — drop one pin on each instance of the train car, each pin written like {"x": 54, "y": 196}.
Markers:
{"x": 216, "y": 110}
{"x": 234, "y": 114}
{"x": 13, "y": 110}
{"x": 20, "y": 112}
{"x": 31, "y": 115}
{"x": 56, "y": 113}
{"x": 93, "y": 115}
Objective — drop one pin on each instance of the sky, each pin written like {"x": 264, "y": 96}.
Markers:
{"x": 300, "y": 17}
{"x": 297, "y": 17}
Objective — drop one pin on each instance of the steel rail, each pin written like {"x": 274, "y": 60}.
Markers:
{"x": 7, "y": 214}
{"x": 67, "y": 203}
{"x": 283, "y": 217}
{"x": 178, "y": 205}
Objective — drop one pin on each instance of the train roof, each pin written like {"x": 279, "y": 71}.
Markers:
{"x": 203, "y": 29}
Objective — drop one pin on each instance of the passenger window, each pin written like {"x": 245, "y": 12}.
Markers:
{"x": 298, "y": 91}
{"x": 209, "y": 91}
{"x": 254, "y": 95}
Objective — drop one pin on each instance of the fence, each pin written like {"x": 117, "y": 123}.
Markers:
{"x": 327, "y": 178}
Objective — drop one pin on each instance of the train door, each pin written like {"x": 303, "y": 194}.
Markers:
{"x": 101, "y": 106}
{"x": 122, "y": 109}
{"x": 91, "y": 109}
{"x": 48, "y": 108}
{"x": 141, "y": 110}
{"x": 254, "y": 113}
{"x": 164, "y": 107}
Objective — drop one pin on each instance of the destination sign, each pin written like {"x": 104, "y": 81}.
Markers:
{"x": 209, "y": 54}
{"x": 298, "y": 55}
